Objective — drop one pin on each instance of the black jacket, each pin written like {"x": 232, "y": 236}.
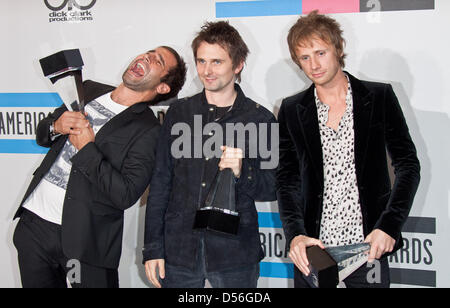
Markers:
{"x": 107, "y": 177}
{"x": 379, "y": 125}
{"x": 176, "y": 191}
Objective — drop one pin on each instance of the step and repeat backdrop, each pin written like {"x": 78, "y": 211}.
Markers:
{"x": 403, "y": 42}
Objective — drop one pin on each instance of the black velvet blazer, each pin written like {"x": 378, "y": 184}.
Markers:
{"x": 379, "y": 125}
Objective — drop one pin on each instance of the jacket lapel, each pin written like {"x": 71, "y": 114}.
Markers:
{"x": 119, "y": 121}
{"x": 362, "y": 117}
{"x": 309, "y": 123}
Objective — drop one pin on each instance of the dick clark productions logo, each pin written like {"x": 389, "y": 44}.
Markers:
{"x": 63, "y": 10}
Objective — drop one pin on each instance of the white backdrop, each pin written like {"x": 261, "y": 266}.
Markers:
{"x": 406, "y": 48}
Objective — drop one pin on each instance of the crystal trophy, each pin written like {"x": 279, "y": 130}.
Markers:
{"x": 219, "y": 213}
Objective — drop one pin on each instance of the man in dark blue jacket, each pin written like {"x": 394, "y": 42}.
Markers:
{"x": 184, "y": 172}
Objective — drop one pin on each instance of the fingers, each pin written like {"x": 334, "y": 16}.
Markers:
{"x": 380, "y": 243}
{"x": 230, "y": 155}
{"x": 372, "y": 254}
{"x": 231, "y": 158}
{"x": 298, "y": 254}
{"x": 150, "y": 271}
{"x": 151, "y": 268}
{"x": 162, "y": 269}
{"x": 71, "y": 122}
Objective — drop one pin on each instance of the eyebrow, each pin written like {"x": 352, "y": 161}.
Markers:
{"x": 215, "y": 59}
{"x": 315, "y": 52}
{"x": 159, "y": 57}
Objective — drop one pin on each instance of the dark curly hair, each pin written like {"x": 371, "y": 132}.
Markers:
{"x": 226, "y": 36}
{"x": 175, "y": 78}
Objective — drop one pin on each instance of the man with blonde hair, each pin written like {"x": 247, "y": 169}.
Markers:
{"x": 333, "y": 183}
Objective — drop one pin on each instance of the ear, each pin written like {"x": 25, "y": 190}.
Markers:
{"x": 239, "y": 68}
{"x": 163, "y": 88}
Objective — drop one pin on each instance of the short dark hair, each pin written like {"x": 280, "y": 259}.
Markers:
{"x": 225, "y": 35}
{"x": 175, "y": 78}
{"x": 316, "y": 25}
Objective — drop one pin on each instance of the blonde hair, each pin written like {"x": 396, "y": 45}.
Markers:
{"x": 315, "y": 25}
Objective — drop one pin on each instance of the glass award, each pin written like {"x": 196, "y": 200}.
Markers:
{"x": 219, "y": 213}
{"x": 333, "y": 264}
{"x": 64, "y": 70}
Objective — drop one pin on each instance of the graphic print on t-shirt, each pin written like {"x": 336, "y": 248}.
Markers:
{"x": 98, "y": 115}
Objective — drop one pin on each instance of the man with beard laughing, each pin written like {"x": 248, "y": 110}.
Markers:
{"x": 98, "y": 165}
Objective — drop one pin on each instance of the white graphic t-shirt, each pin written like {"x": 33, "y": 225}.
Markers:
{"x": 47, "y": 199}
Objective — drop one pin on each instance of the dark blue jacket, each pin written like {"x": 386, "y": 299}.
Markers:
{"x": 179, "y": 187}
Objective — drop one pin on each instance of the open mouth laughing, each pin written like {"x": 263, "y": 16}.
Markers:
{"x": 138, "y": 69}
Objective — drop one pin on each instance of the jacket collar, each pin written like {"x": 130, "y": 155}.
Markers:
{"x": 363, "y": 104}
{"x": 359, "y": 90}
{"x": 239, "y": 102}
{"x": 362, "y": 115}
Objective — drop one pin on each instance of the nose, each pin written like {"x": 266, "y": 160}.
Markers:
{"x": 208, "y": 69}
{"x": 315, "y": 63}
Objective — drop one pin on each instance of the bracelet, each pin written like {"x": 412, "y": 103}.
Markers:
{"x": 52, "y": 130}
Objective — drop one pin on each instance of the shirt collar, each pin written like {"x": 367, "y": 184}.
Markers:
{"x": 322, "y": 109}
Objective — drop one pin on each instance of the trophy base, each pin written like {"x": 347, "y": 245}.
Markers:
{"x": 218, "y": 221}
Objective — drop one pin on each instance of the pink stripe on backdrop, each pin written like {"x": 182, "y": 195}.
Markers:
{"x": 331, "y": 6}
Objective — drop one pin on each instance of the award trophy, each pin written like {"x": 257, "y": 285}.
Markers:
{"x": 331, "y": 265}
{"x": 219, "y": 211}
{"x": 64, "y": 71}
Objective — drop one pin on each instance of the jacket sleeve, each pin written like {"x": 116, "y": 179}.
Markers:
{"x": 43, "y": 129}
{"x": 125, "y": 186}
{"x": 406, "y": 168}
{"x": 288, "y": 183}
{"x": 257, "y": 178}
{"x": 158, "y": 198}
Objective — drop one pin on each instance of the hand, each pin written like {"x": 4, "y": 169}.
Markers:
{"x": 380, "y": 243}
{"x": 297, "y": 251}
{"x": 231, "y": 158}
{"x": 85, "y": 136}
{"x": 150, "y": 270}
{"x": 70, "y": 122}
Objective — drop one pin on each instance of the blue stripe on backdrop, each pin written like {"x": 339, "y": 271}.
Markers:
{"x": 30, "y": 100}
{"x": 26, "y": 100}
{"x": 277, "y": 270}
{"x": 258, "y": 8}
{"x": 19, "y": 146}
{"x": 269, "y": 220}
